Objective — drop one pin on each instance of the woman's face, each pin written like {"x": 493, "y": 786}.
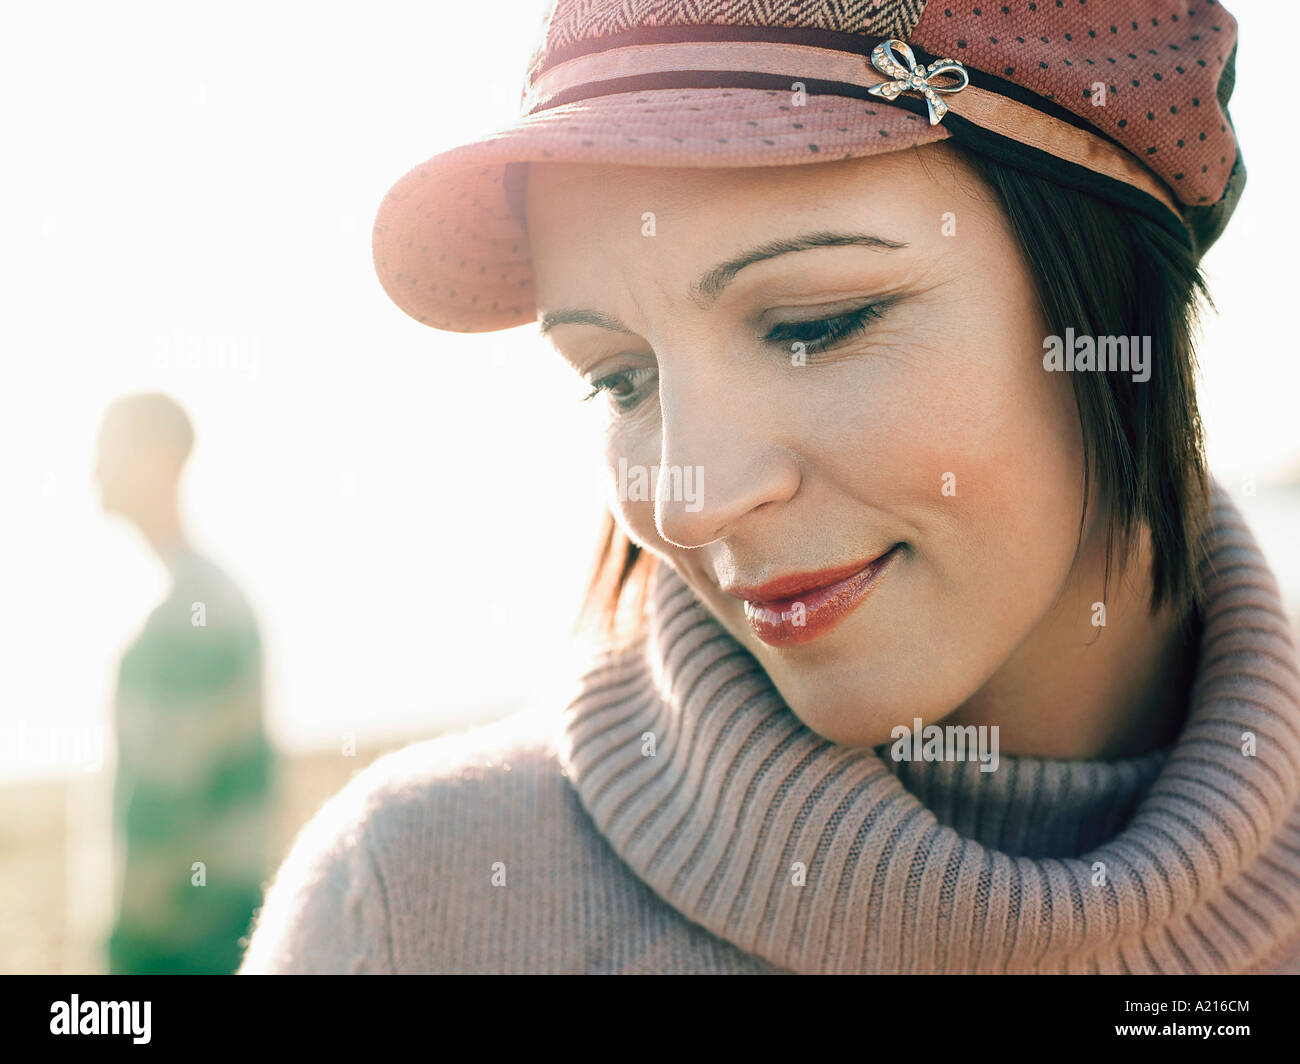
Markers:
{"x": 817, "y": 366}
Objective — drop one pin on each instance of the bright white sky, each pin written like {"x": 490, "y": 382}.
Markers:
{"x": 411, "y": 512}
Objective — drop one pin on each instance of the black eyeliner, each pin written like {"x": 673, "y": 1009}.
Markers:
{"x": 834, "y": 330}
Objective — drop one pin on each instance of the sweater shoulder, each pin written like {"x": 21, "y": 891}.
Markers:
{"x": 393, "y": 830}
{"x": 525, "y": 742}
{"x": 462, "y": 794}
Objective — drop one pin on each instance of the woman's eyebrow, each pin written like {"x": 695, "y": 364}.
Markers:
{"x": 582, "y": 317}
{"x": 715, "y": 279}
{"x": 710, "y": 286}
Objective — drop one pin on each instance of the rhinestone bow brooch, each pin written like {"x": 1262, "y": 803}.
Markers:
{"x": 914, "y": 77}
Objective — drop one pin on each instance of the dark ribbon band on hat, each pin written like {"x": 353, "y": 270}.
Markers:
{"x": 848, "y": 43}
{"x": 990, "y": 116}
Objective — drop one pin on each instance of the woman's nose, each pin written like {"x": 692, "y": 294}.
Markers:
{"x": 721, "y": 459}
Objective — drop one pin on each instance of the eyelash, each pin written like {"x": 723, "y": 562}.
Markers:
{"x": 817, "y": 336}
{"x": 833, "y": 331}
{"x": 605, "y": 384}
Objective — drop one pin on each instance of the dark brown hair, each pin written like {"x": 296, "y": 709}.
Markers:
{"x": 1101, "y": 270}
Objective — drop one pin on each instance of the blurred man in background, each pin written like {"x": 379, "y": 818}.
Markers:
{"x": 193, "y": 796}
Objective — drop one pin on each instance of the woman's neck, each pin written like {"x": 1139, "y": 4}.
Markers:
{"x": 1080, "y": 689}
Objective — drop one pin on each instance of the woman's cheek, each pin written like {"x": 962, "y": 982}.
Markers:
{"x": 943, "y": 455}
{"x": 923, "y": 439}
{"x": 632, "y": 459}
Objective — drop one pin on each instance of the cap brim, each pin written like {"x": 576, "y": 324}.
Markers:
{"x": 450, "y": 251}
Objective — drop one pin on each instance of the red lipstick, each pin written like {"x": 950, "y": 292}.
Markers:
{"x": 801, "y": 606}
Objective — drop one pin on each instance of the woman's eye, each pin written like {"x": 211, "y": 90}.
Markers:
{"x": 628, "y": 388}
{"x": 822, "y": 334}
{"x": 625, "y": 389}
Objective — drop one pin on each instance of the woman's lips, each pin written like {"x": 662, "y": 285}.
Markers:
{"x": 803, "y": 606}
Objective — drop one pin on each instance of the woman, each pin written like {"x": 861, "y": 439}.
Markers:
{"x": 951, "y": 657}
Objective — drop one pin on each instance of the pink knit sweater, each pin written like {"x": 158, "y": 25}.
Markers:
{"x": 553, "y": 842}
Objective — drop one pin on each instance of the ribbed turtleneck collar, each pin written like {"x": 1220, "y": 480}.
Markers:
{"x": 1031, "y": 807}
{"x": 822, "y": 858}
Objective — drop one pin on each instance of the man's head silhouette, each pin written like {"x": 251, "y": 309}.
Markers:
{"x": 144, "y": 442}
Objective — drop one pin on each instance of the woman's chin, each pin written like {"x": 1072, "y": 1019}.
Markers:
{"x": 847, "y": 720}
{"x": 863, "y": 709}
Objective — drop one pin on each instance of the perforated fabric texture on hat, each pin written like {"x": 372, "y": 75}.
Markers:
{"x": 1159, "y": 66}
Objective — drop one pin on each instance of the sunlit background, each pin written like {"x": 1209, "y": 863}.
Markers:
{"x": 187, "y": 203}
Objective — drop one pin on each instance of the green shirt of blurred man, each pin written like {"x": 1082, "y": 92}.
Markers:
{"x": 193, "y": 795}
